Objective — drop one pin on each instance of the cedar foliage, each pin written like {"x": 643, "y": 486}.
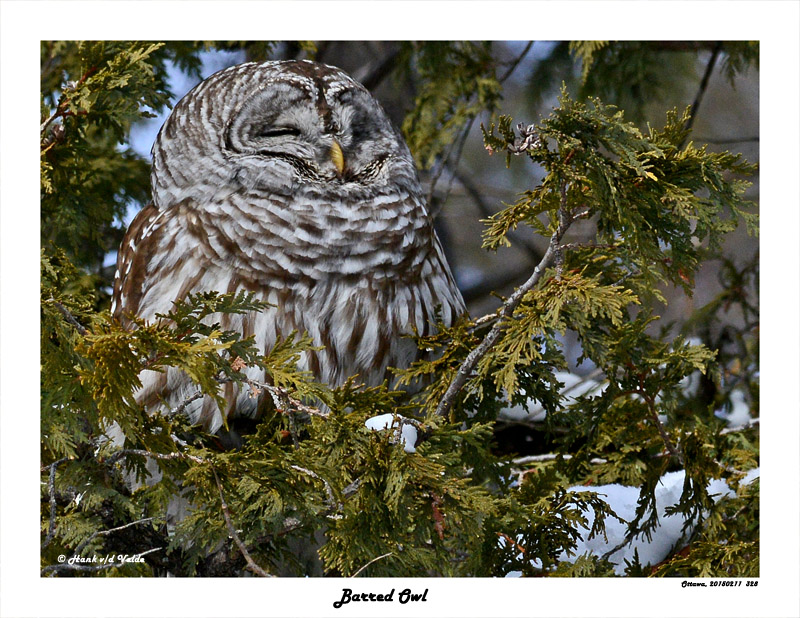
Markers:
{"x": 456, "y": 506}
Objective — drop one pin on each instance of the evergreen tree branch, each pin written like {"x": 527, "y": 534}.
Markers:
{"x": 553, "y": 254}
{"x": 250, "y": 562}
{"x": 290, "y": 524}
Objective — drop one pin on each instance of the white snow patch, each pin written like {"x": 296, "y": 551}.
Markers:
{"x": 403, "y": 429}
{"x": 622, "y": 499}
{"x": 739, "y": 412}
{"x": 574, "y": 386}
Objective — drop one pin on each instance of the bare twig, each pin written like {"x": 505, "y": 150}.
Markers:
{"x": 673, "y": 450}
{"x": 331, "y": 498}
{"x": 529, "y": 459}
{"x": 628, "y": 538}
{"x": 550, "y": 457}
{"x": 47, "y": 121}
{"x": 51, "y": 491}
{"x": 292, "y": 428}
{"x": 69, "y": 317}
{"x": 703, "y": 85}
{"x": 465, "y": 370}
{"x": 594, "y": 373}
{"x": 751, "y": 423}
{"x": 351, "y": 488}
{"x": 94, "y": 535}
{"x": 727, "y": 140}
{"x": 442, "y": 164}
{"x": 729, "y": 469}
{"x": 250, "y": 562}
{"x": 516, "y": 62}
{"x": 61, "y": 109}
{"x": 179, "y": 410}
{"x": 283, "y": 402}
{"x": 485, "y": 319}
{"x": 584, "y": 245}
{"x": 357, "y": 573}
{"x": 131, "y": 451}
{"x": 512, "y": 542}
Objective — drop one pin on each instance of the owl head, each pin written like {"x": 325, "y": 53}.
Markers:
{"x": 281, "y": 127}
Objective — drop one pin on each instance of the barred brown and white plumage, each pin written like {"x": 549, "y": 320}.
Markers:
{"x": 287, "y": 179}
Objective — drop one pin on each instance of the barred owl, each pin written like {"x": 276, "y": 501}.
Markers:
{"x": 287, "y": 179}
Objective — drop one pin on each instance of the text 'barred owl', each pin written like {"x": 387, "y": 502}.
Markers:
{"x": 287, "y": 179}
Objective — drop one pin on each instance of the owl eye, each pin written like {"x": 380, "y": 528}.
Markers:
{"x": 278, "y": 132}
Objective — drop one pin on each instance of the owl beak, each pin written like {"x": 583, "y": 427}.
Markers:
{"x": 337, "y": 158}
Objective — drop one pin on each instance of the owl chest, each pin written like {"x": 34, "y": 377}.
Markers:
{"x": 359, "y": 327}
{"x": 313, "y": 238}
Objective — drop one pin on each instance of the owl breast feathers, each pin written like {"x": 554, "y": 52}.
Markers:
{"x": 287, "y": 179}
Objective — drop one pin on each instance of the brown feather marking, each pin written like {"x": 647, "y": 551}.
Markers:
{"x": 132, "y": 265}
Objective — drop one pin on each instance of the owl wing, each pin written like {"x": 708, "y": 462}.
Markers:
{"x": 129, "y": 280}
{"x": 162, "y": 259}
{"x": 165, "y": 255}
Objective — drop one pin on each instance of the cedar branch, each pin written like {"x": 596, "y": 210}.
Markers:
{"x": 507, "y": 310}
